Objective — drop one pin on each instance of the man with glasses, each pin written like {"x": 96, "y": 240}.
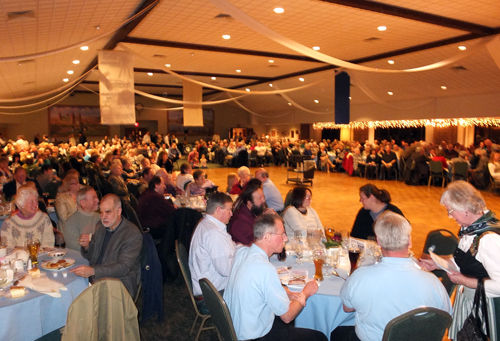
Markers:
{"x": 212, "y": 250}
{"x": 261, "y": 308}
{"x": 84, "y": 220}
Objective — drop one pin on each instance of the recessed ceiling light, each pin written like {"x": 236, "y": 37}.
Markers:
{"x": 226, "y": 36}
{"x": 301, "y": 79}
{"x": 390, "y": 62}
{"x": 150, "y": 73}
{"x": 65, "y": 79}
{"x": 76, "y": 61}
{"x": 168, "y": 65}
{"x": 316, "y": 48}
{"x": 70, "y": 72}
{"x": 271, "y": 61}
{"x": 247, "y": 89}
{"x": 289, "y": 103}
{"x": 239, "y": 71}
{"x": 350, "y": 98}
{"x": 390, "y": 93}
{"x": 214, "y": 78}
{"x": 381, "y": 28}
{"x": 316, "y": 101}
{"x": 97, "y": 27}
{"x": 462, "y": 48}
{"x": 271, "y": 85}
{"x": 443, "y": 87}
{"x": 279, "y": 10}
{"x": 84, "y": 48}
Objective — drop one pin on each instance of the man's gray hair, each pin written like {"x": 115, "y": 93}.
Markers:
{"x": 218, "y": 199}
{"x": 462, "y": 196}
{"x": 114, "y": 198}
{"x": 265, "y": 223}
{"x": 393, "y": 231}
{"x": 82, "y": 192}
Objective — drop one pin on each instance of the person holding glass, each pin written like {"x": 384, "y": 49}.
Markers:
{"x": 374, "y": 201}
{"x": 476, "y": 254}
{"x": 29, "y": 222}
{"x": 300, "y": 216}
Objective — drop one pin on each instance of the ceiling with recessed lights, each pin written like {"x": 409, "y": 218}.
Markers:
{"x": 42, "y": 44}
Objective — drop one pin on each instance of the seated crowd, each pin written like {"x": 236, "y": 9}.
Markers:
{"x": 232, "y": 244}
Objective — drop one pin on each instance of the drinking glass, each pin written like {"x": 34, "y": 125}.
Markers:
{"x": 330, "y": 233}
{"x": 319, "y": 260}
{"x": 297, "y": 234}
{"x": 33, "y": 247}
{"x": 335, "y": 258}
{"x": 3, "y": 277}
{"x": 345, "y": 238}
{"x": 299, "y": 252}
{"x": 354, "y": 253}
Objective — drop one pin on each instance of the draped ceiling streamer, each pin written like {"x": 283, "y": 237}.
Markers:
{"x": 174, "y": 101}
{"x": 254, "y": 113}
{"x": 253, "y": 24}
{"x": 164, "y": 68}
{"x": 72, "y": 46}
{"x": 361, "y": 85}
{"x": 78, "y": 80}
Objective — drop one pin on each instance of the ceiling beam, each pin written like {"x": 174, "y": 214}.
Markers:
{"x": 204, "y": 74}
{"x": 124, "y": 31}
{"x": 406, "y": 13}
{"x": 141, "y": 84}
{"x": 211, "y": 48}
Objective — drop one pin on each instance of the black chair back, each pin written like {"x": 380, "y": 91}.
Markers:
{"x": 217, "y": 307}
{"x": 52, "y": 188}
{"x": 422, "y": 324}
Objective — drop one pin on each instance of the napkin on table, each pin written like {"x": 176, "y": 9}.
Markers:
{"x": 43, "y": 285}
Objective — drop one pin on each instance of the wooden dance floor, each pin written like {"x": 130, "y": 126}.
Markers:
{"x": 336, "y": 199}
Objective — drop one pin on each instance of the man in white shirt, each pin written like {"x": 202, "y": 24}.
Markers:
{"x": 273, "y": 196}
{"x": 146, "y": 138}
{"x": 212, "y": 249}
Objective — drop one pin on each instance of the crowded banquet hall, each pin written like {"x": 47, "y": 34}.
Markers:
{"x": 249, "y": 170}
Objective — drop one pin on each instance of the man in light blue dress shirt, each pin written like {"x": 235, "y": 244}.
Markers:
{"x": 380, "y": 292}
{"x": 273, "y": 196}
{"x": 261, "y": 308}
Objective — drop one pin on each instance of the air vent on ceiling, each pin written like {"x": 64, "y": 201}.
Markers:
{"x": 159, "y": 56}
{"x": 21, "y": 14}
{"x": 459, "y": 68}
{"x": 222, "y": 15}
{"x": 371, "y": 39}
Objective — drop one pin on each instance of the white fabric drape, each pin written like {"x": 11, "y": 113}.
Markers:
{"x": 193, "y": 113}
{"x": 253, "y": 24}
{"x": 77, "y": 45}
{"x": 211, "y": 86}
{"x": 116, "y": 87}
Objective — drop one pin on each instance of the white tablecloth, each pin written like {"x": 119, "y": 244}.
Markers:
{"x": 34, "y": 315}
{"x": 324, "y": 311}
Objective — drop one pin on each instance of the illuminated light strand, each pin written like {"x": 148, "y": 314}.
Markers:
{"x": 437, "y": 123}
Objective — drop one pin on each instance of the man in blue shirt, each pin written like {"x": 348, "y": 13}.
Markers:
{"x": 261, "y": 308}
{"x": 381, "y": 292}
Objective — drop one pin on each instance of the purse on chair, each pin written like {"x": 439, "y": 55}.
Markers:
{"x": 472, "y": 329}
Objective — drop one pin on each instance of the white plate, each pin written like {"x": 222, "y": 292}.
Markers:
{"x": 300, "y": 286}
{"x": 44, "y": 265}
{"x": 9, "y": 296}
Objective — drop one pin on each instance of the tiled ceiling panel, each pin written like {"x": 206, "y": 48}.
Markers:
{"x": 482, "y": 12}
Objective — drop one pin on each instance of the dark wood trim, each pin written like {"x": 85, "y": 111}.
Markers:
{"x": 141, "y": 84}
{"x": 124, "y": 31}
{"x": 204, "y": 74}
{"x": 402, "y": 12}
{"x": 211, "y": 48}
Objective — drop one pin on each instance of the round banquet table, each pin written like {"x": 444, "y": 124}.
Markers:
{"x": 324, "y": 310}
{"x": 36, "y": 314}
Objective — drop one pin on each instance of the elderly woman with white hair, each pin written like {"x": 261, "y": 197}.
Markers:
{"x": 476, "y": 255}
{"x": 245, "y": 176}
{"x": 29, "y": 222}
